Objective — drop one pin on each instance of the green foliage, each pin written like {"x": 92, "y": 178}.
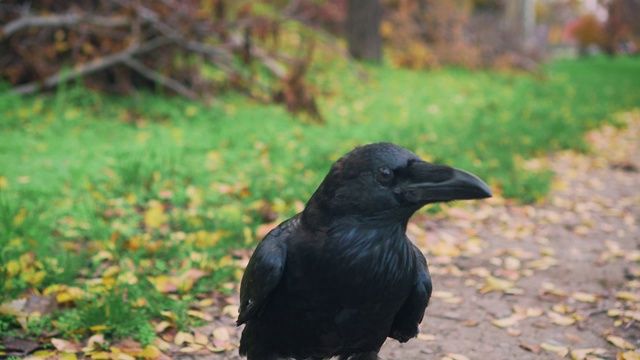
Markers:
{"x": 130, "y": 206}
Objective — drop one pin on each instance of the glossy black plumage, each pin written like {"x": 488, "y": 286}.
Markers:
{"x": 340, "y": 277}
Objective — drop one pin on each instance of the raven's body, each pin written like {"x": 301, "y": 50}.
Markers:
{"x": 341, "y": 277}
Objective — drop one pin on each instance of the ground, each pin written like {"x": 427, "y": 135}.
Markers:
{"x": 556, "y": 279}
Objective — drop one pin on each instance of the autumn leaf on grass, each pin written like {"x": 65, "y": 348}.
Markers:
{"x": 620, "y": 342}
{"x": 65, "y": 346}
{"x": 155, "y": 217}
{"x": 13, "y": 307}
{"x": 187, "y": 279}
{"x": 200, "y": 315}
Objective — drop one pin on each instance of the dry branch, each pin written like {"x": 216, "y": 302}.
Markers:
{"x": 90, "y": 67}
{"x": 159, "y": 78}
{"x": 161, "y": 42}
{"x": 61, "y": 20}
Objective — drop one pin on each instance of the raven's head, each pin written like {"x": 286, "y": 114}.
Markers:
{"x": 384, "y": 182}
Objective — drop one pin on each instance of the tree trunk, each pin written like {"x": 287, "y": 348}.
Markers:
{"x": 363, "y": 29}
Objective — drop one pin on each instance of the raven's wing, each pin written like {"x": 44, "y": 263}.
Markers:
{"x": 405, "y": 324}
{"x": 263, "y": 273}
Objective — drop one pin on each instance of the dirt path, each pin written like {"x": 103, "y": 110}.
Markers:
{"x": 558, "y": 279}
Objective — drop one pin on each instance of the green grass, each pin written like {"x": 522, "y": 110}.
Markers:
{"x": 102, "y": 199}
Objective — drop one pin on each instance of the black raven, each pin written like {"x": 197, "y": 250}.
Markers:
{"x": 340, "y": 277}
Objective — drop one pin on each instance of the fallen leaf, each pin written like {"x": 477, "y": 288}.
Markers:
{"x": 584, "y": 297}
{"x": 620, "y": 342}
{"x": 560, "y": 350}
{"x": 560, "y": 319}
{"x": 65, "y": 346}
{"x": 183, "y": 337}
{"x": 628, "y": 296}
{"x": 497, "y": 284}
{"x": 426, "y": 337}
{"x": 531, "y": 348}
{"x": 508, "y": 321}
{"x": 514, "y": 332}
{"x": 629, "y": 355}
{"x": 200, "y": 315}
{"x": 583, "y": 354}
{"x": 452, "y": 356}
{"x": 200, "y": 338}
{"x": 231, "y": 310}
{"x": 191, "y": 348}
{"x": 221, "y": 333}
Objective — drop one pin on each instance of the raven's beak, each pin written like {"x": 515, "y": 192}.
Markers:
{"x": 436, "y": 183}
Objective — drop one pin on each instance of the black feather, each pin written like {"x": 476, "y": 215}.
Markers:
{"x": 341, "y": 276}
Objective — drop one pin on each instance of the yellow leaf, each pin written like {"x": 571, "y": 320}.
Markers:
{"x": 221, "y": 333}
{"x": 200, "y": 315}
{"x": 20, "y": 216}
{"x": 155, "y": 217}
{"x": 191, "y": 348}
{"x": 162, "y": 345}
{"x": 98, "y": 328}
{"x": 619, "y": 342}
{"x": 215, "y": 349}
{"x": 560, "y": 350}
{"x": 534, "y": 312}
{"x": 12, "y": 267}
{"x": 629, "y": 355}
{"x": 149, "y": 352}
{"x": 102, "y": 355}
{"x": 560, "y": 319}
{"x": 34, "y": 277}
{"x": 508, "y": 321}
{"x": 111, "y": 271}
{"x": 426, "y": 337}
{"x": 581, "y": 354}
{"x": 231, "y": 310}
{"x": 169, "y": 314}
{"x": 584, "y": 297}
{"x": 123, "y": 356}
{"x": 4, "y": 183}
{"x": 494, "y": 283}
{"x": 183, "y": 337}
{"x": 65, "y": 294}
{"x": 163, "y": 284}
{"x": 452, "y": 356}
{"x": 200, "y": 338}
{"x": 627, "y": 296}
{"x": 161, "y": 326}
{"x": 44, "y": 354}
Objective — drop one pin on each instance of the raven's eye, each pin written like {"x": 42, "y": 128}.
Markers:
{"x": 384, "y": 175}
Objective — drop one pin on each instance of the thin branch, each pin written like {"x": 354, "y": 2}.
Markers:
{"x": 159, "y": 78}
{"x": 61, "y": 20}
{"x": 90, "y": 67}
